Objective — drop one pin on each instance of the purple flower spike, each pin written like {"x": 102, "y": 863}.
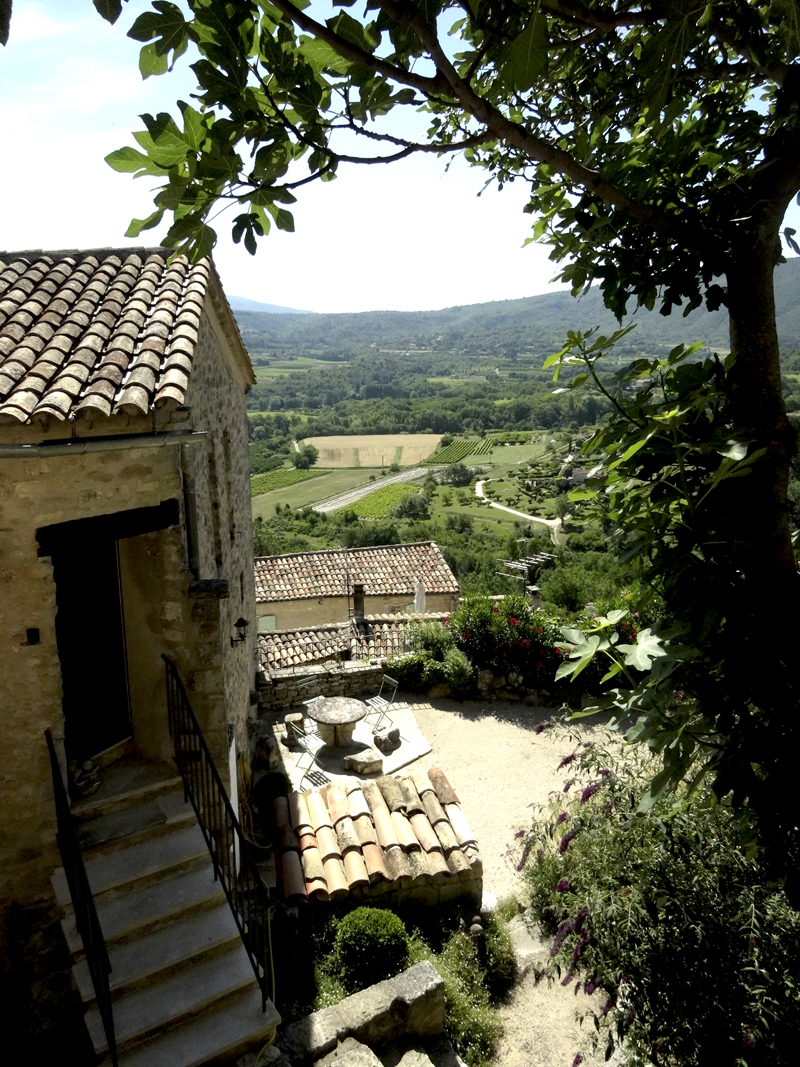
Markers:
{"x": 604, "y": 773}
{"x": 567, "y": 785}
{"x": 566, "y": 761}
{"x": 565, "y": 840}
{"x": 520, "y": 833}
{"x": 589, "y": 988}
{"x": 589, "y": 792}
{"x": 578, "y": 1060}
{"x": 562, "y": 818}
{"x": 541, "y": 726}
{"x": 562, "y": 886}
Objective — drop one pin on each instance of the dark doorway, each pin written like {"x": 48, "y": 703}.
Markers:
{"x": 90, "y": 627}
{"x": 91, "y": 646}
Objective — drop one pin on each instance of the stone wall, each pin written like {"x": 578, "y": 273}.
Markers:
{"x": 168, "y": 606}
{"x": 221, "y": 474}
{"x": 287, "y": 688}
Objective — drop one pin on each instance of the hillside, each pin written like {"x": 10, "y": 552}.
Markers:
{"x": 533, "y": 324}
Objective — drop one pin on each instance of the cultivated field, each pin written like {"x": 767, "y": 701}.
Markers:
{"x": 375, "y": 450}
{"x": 310, "y": 491}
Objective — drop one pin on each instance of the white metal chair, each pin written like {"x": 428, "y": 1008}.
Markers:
{"x": 379, "y": 705}
{"x": 310, "y": 744}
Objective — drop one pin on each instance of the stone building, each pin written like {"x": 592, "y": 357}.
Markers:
{"x": 125, "y": 530}
{"x": 314, "y": 588}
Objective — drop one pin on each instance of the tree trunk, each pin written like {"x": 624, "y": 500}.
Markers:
{"x": 760, "y": 650}
{"x": 759, "y": 415}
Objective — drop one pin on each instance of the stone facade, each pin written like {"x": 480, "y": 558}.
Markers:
{"x": 317, "y": 611}
{"x": 182, "y": 583}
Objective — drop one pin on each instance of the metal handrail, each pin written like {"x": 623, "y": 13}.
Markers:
{"x": 86, "y": 919}
{"x": 231, "y": 852}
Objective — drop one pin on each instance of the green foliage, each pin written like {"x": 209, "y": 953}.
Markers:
{"x": 673, "y": 477}
{"x": 263, "y": 483}
{"x": 382, "y": 502}
{"x": 509, "y": 636}
{"x": 371, "y": 945}
{"x": 662, "y": 910}
{"x": 431, "y": 637}
{"x": 456, "y": 474}
{"x": 304, "y": 456}
{"x": 470, "y": 1023}
{"x": 412, "y": 505}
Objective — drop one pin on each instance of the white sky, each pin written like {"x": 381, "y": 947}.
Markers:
{"x": 406, "y": 236}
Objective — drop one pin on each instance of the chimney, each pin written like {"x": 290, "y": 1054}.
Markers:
{"x": 358, "y": 601}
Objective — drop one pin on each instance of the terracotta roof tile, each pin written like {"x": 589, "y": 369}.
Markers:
{"x": 77, "y": 331}
{"x": 374, "y": 637}
{"x": 369, "y": 844}
{"x": 382, "y": 570}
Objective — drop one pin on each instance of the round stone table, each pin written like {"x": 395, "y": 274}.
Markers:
{"x": 337, "y": 718}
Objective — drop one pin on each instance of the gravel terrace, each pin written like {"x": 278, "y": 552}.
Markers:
{"x": 500, "y": 768}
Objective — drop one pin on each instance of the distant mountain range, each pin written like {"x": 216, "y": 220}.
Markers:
{"x": 241, "y": 303}
{"x": 536, "y": 323}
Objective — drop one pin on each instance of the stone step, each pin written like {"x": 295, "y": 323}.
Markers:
{"x": 152, "y": 907}
{"x": 118, "y": 829}
{"x": 163, "y": 952}
{"x": 92, "y": 808}
{"x": 229, "y": 1030}
{"x": 112, "y": 874}
{"x": 147, "y": 1012}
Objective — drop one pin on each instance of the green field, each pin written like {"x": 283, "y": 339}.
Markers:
{"x": 279, "y": 368}
{"x": 311, "y": 491}
{"x": 377, "y": 505}
{"x": 279, "y": 479}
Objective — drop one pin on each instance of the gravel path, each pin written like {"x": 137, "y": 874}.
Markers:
{"x": 500, "y": 769}
{"x": 363, "y": 490}
{"x": 557, "y": 535}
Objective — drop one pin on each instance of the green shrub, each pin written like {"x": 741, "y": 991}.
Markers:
{"x": 371, "y": 945}
{"x": 408, "y": 670}
{"x": 434, "y": 672}
{"x": 499, "y": 961}
{"x": 697, "y": 952}
{"x": 472, "y": 1025}
{"x": 458, "y": 671}
{"x": 431, "y": 637}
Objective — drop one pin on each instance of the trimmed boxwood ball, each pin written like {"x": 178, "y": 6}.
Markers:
{"x": 371, "y": 945}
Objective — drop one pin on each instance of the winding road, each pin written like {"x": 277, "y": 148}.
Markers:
{"x": 557, "y": 535}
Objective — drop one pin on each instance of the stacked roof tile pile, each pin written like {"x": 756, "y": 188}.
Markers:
{"x": 374, "y": 637}
{"x": 380, "y": 636}
{"x": 311, "y": 644}
{"x": 401, "y": 835}
{"x": 101, "y": 332}
{"x": 383, "y": 570}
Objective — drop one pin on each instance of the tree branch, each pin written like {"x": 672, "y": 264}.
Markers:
{"x": 358, "y": 55}
{"x": 517, "y": 136}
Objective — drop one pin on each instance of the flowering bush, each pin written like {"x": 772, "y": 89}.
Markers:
{"x": 698, "y": 955}
{"x": 509, "y": 636}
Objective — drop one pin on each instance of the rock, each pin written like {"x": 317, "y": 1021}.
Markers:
{"x": 367, "y": 761}
{"x": 485, "y": 681}
{"x": 350, "y": 1053}
{"x": 387, "y": 739}
{"x": 529, "y": 950}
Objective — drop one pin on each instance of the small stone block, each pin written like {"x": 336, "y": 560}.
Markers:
{"x": 367, "y": 761}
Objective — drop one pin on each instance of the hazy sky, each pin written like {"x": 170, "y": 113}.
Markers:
{"x": 406, "y": 236}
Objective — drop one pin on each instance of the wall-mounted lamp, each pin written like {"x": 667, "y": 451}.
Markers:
{"x": 241, "y": 628}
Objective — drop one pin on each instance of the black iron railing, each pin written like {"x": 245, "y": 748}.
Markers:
{"x": 231, "y": 852}
{"x": 86, "y": 920}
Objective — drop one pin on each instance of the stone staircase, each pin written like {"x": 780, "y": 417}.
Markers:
{"x": 184, "y": 993}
